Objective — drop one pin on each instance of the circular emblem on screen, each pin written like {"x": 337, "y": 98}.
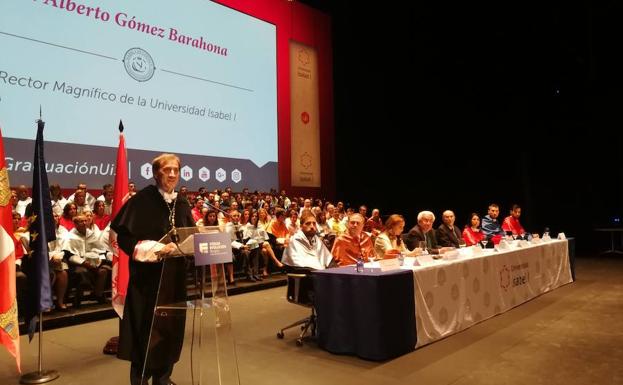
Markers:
{"x": 139, "y": 64}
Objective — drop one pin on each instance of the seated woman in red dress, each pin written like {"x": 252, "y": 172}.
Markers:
{"x": 69, "y": 212}
{"x": 472, "y": 234}
{"x": 100, "y": 218}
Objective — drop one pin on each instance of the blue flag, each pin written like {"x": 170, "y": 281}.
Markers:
{"x": 42, "y": 231}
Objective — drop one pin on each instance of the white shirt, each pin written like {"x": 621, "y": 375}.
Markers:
{"x": 89, "y": 199}
{"x": 21, "y": 206}
{"x": 86, "y": 246}
{"x": 58, "y": 205}
{"x": 168, "y": 197}
{"x": 301, "y": 252}
{"x": 382, "y": 244}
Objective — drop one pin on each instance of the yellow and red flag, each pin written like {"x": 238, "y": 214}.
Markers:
{"x": 9, "y": 328}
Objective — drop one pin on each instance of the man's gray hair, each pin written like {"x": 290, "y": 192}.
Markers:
{"x": 422, "y": 214}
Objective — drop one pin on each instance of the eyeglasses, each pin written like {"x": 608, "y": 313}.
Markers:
{"x": 168, "y": 170}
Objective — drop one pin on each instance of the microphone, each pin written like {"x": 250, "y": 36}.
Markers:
{"x": 175, "y": 238}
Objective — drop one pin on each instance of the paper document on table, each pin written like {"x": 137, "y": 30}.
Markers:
{"x": 425, "y": 260}
{"x": 185, "y": 245}
{"x": 389, "y": 264}
{"x": 451, "y": 255}
{"x": 410, "y": 261}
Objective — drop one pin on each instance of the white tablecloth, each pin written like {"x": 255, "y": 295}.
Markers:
{"x": 451, "y": 296}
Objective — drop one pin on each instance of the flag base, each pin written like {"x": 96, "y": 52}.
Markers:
{"x": 39, "y": 377}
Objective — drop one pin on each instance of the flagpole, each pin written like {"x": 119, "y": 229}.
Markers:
{"x": 40, "y": 365}
{"x": 40, "y": 376}
{"x": 120, "y": 269}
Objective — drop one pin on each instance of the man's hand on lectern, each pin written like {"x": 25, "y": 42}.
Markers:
{"x": 166, "y": 250}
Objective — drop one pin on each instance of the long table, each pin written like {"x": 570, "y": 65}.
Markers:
{"x": 451, "y": 296}
{"x": 380, "y": 315}
{"x": 369, "y": 314}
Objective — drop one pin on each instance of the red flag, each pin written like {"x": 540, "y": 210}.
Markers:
{"x": 120, "y": 261}
{"x": 9, "y": 328}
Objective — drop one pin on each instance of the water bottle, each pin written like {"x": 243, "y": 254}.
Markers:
{"x": 546, "y": 234}
{"x": 360, "y": 264}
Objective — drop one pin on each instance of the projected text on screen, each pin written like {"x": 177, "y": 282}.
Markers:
{"x": 191, "y": 77}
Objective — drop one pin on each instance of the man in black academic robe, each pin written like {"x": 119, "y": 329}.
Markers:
{"x": 141, "y": 222}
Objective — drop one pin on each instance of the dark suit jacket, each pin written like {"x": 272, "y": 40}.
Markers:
{"x": 447, "y": 237}
{"x": 415, "y": 235}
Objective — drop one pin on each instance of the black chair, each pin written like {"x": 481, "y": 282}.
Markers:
{"x": 277, "y": 249}
{"x": 301, "y": 292}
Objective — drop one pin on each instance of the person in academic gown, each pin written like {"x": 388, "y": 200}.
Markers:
{"x": 305, "y": 249}
{"x": 140, "y": 223}
{"x": 353, "y": 244}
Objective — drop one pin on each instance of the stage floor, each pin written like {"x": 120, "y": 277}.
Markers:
{"x": 573, "y": 335}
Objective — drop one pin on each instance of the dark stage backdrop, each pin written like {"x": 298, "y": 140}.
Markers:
{"x": 470, "y": 104}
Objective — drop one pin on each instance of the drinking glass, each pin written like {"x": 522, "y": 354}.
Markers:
{"x": 422, "y": 245}
{"x": 484, "y": 242}
{"x": 371, "y": 259}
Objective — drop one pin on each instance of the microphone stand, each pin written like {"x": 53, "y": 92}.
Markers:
{"x": 216, "y": 208}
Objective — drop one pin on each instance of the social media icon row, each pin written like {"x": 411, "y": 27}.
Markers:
{"x": 187, "y": 173}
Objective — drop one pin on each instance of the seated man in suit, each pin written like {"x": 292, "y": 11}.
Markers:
{"x": 355, "y": 243}
{"x": 424, "y": 232}
{"x": 305, "y": 249}
{"x": 447, "y": 233}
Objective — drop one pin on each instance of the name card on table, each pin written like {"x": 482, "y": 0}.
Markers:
{"x": 562, "y": 236}
{"x": 212, "y": 248}
{"x": 425, "y": 260}
{"x": 503, "y": 245}
{"x": 451, "y": 255}
{"x": 410, "y": 261}
{"x": 389, "y": 264}
{"x": 467, "y": 252}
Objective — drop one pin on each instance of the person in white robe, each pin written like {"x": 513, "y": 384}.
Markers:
{"x": 89, "y": 257}
{"x": 305, "y": 248}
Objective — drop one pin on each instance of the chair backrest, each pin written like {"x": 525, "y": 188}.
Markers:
{"x": 329, "y": 240}
{"x": 300, "y": 288}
